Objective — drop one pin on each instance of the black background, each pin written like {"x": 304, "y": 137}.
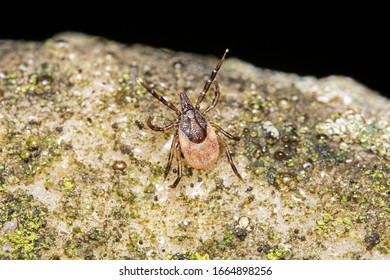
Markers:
{"x": 318, "y": 42}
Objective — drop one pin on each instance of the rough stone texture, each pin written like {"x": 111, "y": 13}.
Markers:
{"x": 314, "y": 155}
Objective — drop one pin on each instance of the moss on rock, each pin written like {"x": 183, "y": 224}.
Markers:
{"x": 314, "y": 157}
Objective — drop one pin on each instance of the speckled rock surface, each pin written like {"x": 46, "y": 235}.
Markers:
{"x": 314, "y": 155}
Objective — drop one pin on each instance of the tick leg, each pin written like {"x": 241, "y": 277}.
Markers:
{"x": 171, "y": 152}
{"x": 159, "y": 97}
{"x": 179, "y": 166}
{"x": 160, "y": 128}
{"x": 215, "y": 100}
{"x": 210, "y": 80}
{"x": 229, "y": 157}
{"x": 227, "y": 134}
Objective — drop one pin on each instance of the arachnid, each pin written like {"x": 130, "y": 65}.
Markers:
{"x": 196, "y": 137}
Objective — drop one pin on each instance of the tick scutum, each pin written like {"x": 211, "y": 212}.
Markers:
{"x": 192, "y": 123}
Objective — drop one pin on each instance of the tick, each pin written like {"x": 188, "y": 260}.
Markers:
{"x": 196, "y": 137}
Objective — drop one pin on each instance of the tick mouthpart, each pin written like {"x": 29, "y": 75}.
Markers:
{"x": 186, "y": 103}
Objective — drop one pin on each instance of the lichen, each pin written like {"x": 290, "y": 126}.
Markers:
{"x": 67, "y": 186}
{"x": 279, "y": 254}
{"x": 30, "y": 235}
{"x": 188, "y": 256}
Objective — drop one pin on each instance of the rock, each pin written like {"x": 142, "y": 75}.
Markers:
{"x": 314, "y": 155}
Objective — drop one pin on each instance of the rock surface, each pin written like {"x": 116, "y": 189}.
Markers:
{"x": 314, "y": 155}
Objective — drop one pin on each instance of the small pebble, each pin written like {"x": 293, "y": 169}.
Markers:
{"x": 119, "y": 165}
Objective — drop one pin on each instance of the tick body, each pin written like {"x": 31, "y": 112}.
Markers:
{"x": 198, "y": 140}
{"x": 196, "y": 137}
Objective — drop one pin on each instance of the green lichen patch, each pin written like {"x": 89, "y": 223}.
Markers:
{"x": 188, "y": 256}
{"x": 25, "y": 233}
{"x": 279, "y": 254}
{"x": 67, "y": 186}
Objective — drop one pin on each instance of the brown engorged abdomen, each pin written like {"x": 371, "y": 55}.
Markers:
{"x": 200, "y": 155}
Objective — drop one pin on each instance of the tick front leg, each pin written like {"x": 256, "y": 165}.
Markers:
{"x": 171, "y": 152}
{"x": 227, "y": 134}
{"x": 179, "y": 166}
{"x": 160, "y": 128}
{"x": 159, "y": 97}
{"x": 229, "y": 157}
{"x": 210, "y": 80}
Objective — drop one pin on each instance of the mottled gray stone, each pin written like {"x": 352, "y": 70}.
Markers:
{"x": 314, "y": 155}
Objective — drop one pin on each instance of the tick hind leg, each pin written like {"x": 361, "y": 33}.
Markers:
{"x": 227, "y": 134}
{"x": 171, "y": 153}
{"x": 179, "y": 165}
{"x": 229, "y": 156}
